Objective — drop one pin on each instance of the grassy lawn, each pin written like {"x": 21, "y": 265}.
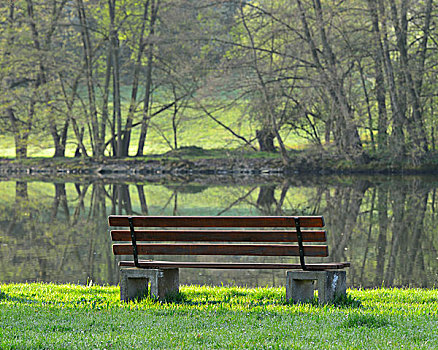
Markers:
{"x": 51, "y": 316}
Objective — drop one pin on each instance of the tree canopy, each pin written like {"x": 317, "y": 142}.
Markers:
{"x": 356, "y": 77}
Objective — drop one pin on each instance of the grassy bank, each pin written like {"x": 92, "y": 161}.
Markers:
{"x": 70, "y": 316}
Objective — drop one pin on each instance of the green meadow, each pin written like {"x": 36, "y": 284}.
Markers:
{"x": 193, "y": 129}
{"x": 49, "y": 316}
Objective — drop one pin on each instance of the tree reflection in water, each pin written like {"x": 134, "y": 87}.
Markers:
{"x": 58, "y": 232}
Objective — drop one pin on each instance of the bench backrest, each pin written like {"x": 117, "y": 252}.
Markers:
{"x": 203, "y": 235}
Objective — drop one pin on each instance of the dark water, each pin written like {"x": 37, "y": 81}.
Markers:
{"x": 387, "y": 227}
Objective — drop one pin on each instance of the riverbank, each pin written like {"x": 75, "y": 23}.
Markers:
{"x": 194, "y": 161}
{"x": 84, "y": 317}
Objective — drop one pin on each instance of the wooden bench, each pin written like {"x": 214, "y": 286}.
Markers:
{"x": 276, "y": 236}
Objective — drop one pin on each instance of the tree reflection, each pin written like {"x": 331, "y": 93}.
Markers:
{"x": 380, "y": 228}
{"x": 59, "y": 232}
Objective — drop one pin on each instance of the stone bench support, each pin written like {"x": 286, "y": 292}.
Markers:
{"x": 134, "y": 283}
{"x": 300, "y": 285}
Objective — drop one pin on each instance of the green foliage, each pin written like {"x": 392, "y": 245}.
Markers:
{"x": 315, "y": 75}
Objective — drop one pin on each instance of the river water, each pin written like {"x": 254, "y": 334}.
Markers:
{"x": 387, "y": 227}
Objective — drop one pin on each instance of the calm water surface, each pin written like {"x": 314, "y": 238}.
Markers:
{"x": 387, "y": 227}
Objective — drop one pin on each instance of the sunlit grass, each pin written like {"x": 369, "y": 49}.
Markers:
{"x": 194, "y": 129}
{"x": 72, "y": 316}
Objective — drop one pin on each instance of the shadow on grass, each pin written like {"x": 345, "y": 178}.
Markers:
{"x": 365, "y": 320}
{"x": 181, "y": 298}
{"x": 343, "y": 301}
{"x": 6, "y": 297}
{"x": 347, "y": 301}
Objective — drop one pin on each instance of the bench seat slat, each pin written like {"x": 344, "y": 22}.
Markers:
{"x": 215, "y": 221}
{"x": 220, "y": 265}
{"x": 218, "y": 236}
{"x": 221, "y": 249}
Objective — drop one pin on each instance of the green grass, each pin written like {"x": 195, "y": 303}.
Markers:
{"x": 47, "y": 316}
{"x": 195, "y": 129}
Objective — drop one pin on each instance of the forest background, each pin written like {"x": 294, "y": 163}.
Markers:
{"x": 119, "y": 78}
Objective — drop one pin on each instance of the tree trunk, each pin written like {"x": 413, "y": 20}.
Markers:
{"x": 175, "y": 126}
{"x": 105, "y": 99}
{"x": 345, "y": 130}
{"x": 148, "y": 82}
{"x": 397, "y": 134}
{"x": 265, "y": 138}
{"x": 114, "y": 43}
{"x": 382, "y": 122}
{"x": 96, "y": 139}
{"x": 21, "y": 135}
{"x": 59, "y": 140}
{"x": 416, "y": 128}
{"x": 268, "y": 101}
{"x": 135, "y": 83}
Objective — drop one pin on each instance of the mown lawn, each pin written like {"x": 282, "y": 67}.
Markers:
{"x": 48, "y": 316}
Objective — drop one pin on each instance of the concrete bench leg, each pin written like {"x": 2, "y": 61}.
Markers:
{"x": 134, "y": 283}
{"x": 299, "y": 285}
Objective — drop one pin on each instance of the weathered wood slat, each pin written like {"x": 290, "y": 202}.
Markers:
{"x": 217, "y": 236}
{"x": 220, "y": 265}
{"x": 221, "y": 249}
{"x": 215, "y": 221}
